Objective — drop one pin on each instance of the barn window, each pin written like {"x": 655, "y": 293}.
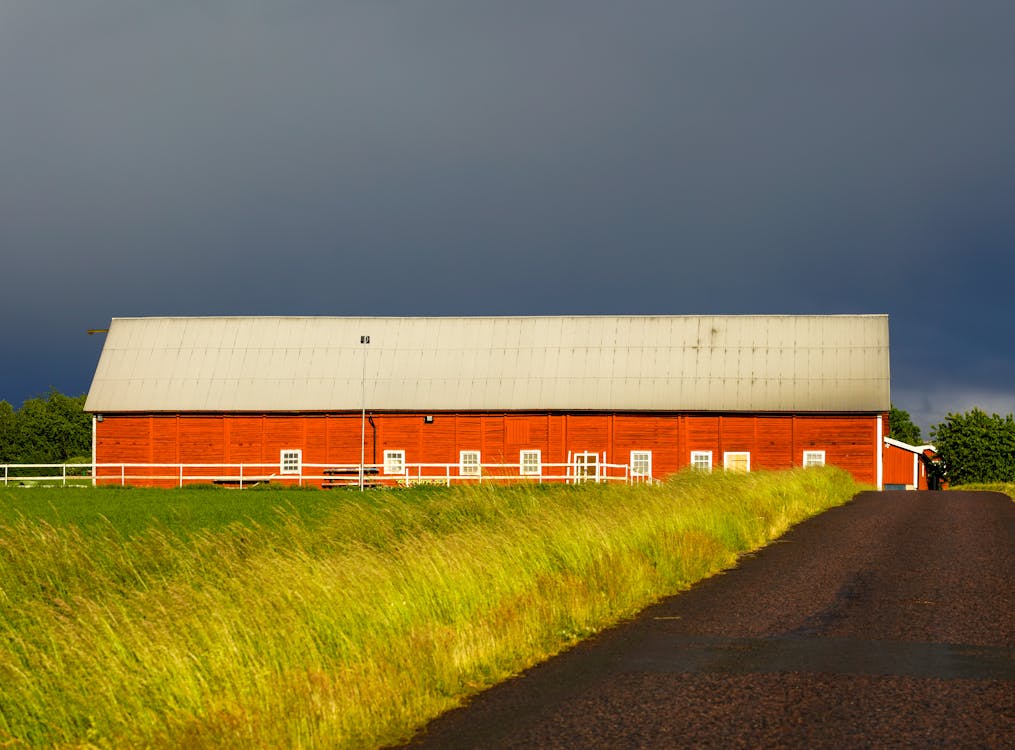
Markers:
{"x": 814, "y": 458}
{"x": 468, "y": 463}
{"x": 736, "y": 461}
{"x": 290, "y": 461}
{"x": 701, "y": 460}
{"x": 394, "y": 462}
{"x": 530, "y": 463}
{"x": 641, "y": 464}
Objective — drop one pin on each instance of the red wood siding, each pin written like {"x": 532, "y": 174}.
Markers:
{"x": 899, "y": 466}
{"x": 848, "y": 442}
{"x": 774, "y": 441}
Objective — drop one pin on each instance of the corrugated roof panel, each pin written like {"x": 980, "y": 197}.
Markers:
{"x": 551, "y": 333}
{"x": 754, "y": 363}
{"x": 312, "y": 391}
{"x": 134, "y": 337}
{"x": 244, "y": 334}
{"x": 218, "y": 392}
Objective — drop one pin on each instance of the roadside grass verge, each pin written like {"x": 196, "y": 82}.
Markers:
{"x": 348, "y": 628}
{"x": 1005, "y": 488}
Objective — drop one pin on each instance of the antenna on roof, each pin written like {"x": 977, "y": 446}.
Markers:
{"x": 93, "y": 331}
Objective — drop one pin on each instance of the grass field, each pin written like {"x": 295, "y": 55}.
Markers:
{"x": 219, "y": 618}
{"x": 132, "y": 511}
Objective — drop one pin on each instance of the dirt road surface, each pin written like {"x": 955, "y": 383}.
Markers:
{"x": 886, "y": 623}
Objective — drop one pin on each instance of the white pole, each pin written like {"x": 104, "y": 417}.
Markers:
{"x": 880, "y": 455}
{"x": 363, "y": 416}
{"x": 95, "y": 481}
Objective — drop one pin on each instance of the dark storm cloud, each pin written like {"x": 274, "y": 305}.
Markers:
{"x": 524, "y": 157}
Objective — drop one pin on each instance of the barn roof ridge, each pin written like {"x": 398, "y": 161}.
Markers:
{"x": 503, "y": 317}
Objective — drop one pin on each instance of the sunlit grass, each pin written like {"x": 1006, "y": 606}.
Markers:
{"x": 134, "y": 510}
{"x": 345, "y": 627}
{"x": 1002, "y": 487}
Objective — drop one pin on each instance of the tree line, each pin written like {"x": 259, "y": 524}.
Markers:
{"x": 976, "y": 447}
{"x": 52, "y": 429}
{"x": 973, "y": 446}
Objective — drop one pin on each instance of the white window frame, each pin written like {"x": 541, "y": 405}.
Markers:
{"x": 530, "y": 467}
{"x": 727, "y": 455}
{"x": 469, "y": 463}
{"x": 290, "y": 461}
{"x": 707, "y": 455}
{"x": 813, "y": 458}
{"x": 394, "y": 462}
{"x": 644, "y": 459}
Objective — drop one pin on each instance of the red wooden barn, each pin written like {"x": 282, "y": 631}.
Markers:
{"x": 906, "y": 466}
{"x": 528, "y": 397}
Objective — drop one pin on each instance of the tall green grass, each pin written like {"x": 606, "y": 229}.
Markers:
{"x": 349, "y": 628}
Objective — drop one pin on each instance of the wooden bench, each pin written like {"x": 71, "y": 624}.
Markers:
{"x": 348, "y": 476}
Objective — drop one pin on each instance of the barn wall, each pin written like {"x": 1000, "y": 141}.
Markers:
{"x": 774, "y": 441}
{"x": 900, "y": 465}
{"x": 851, "y": 443}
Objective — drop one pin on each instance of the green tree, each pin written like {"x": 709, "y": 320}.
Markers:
{"x": 976, "y": 447}
{"x": 8, "y": 433}
{"x": 901, "y": 427}
{"x": 45, "y": 430}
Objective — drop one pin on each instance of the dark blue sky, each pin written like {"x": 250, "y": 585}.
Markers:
{"x": 463, "y": 158}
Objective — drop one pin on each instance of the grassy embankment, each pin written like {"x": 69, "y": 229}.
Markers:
{"x": 1002, "y": 487}
{"x": 195, "y": 618}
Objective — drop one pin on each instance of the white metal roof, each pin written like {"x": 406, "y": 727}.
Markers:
{"x": 657, "y": 363}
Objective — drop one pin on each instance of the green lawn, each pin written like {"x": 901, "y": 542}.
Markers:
{"x": 133, "y": 510}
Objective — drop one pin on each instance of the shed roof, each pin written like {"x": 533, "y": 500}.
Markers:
{"x": 623, "y": 363}
{"x": 920, "y": 449}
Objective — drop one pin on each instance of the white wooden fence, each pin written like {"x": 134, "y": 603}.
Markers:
{"x": 321, "y": 475}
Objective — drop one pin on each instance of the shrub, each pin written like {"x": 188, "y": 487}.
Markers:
{"x": 976, "y": 448}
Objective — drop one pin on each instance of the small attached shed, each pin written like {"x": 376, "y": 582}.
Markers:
{"x": 656, "y": 394}
{"x": 906, "y": 466}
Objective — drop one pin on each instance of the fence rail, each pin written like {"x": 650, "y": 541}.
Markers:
{"x": 323, "y": 475}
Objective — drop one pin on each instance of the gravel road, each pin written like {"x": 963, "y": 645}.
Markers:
{"x": 886, "y": 623}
